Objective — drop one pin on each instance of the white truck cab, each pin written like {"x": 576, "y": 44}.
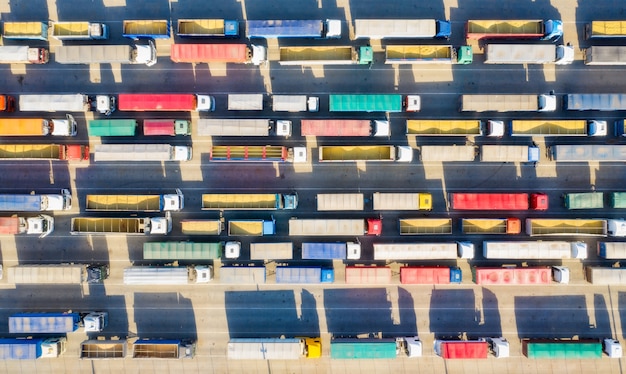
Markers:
{"x": 64, "y": 127}
{"x": 232, "y": 249}
{"x": 205, "y": 103}
{"x": 333, "y": 29}
{"x": 381, "y": 128}
{"x": 564, "y": 54}
{"x": 410, "y": 345}
{"x": 560, "y": 274}
{"x": 495, "y": 129}
{"x": 259, "y": 55}
{"x": 597, "y": 128}
{"x": 612, "y": 348}
{"x": 466, "y": 250}
{"x": 404, "y": 153}
{"x": 413, "y": 103}
{"x": 95, "y": 321}
{"x": 579, "y": 250}
{"x": 161, "y": 225}
{"x": 617, "y": 227}
{"x": 41, "y": 225}
{"x": 547, "y": 103}
{"x": 174, "y": 202}
{"x": 203, "y": 273}
{"x": 313, "y": 103}
{"x": 146, "y": 54}
{"x": 105, "y": 104}
{"x": 297, "y": 155}
{"x": 499, "y": 347}
{"x": 283, "y": 128}
{"x": 353, "y": 251}
{"x": 182, "y": 153}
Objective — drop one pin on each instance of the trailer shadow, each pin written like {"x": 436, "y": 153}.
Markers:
{"x": 153, "y": 322}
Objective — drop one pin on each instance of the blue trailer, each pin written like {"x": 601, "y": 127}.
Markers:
{"x": 43, "y": 323}
{"x": 324, "y": 251}
{"x": 328, "y": 29}
{"x": 30, "y": 349}
{"x": 287, "y": 274}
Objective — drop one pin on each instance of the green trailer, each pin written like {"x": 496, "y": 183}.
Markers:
{"x": 362, "y": 348}
{"x": 618, "y": 200}
{"x": 182, "y": 251}
{"x": 585, "y": 200}
{"x": 559, "y": 349}
{"x": 365, "y": 103}
{"x": 112, "y": 127}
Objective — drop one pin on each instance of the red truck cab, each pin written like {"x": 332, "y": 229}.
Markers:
{"x": 374, "y": 226}
{"x": 538, "y": 201}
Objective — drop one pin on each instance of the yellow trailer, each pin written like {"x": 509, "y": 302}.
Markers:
{"x": 549, "y": 127}
{"x": 425, "y": 226}
{"x": 248, "y": 201}
{"x": 347, "y": 153}
{"x": 251, "y": 227}
{"x": 605, "y": 29}
{"x": 324, "y": 56}
{"x": 207, "y": 27}
{"x": 202, "y": 226}
{"x": 566, "y": 227}
{"x": 483, "y": 226}
{"x": 443, "y": 127}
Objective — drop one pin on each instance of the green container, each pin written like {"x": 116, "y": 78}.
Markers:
{"x": 365, "y": 103}
{"x": 181, "y": 251}
{"x": 363, "y": 348}
{"x": 563, "y": 349}
{"x": 587, "y": 200}
{"x": 112, "y": 127}
{"x": 618, "y": 200}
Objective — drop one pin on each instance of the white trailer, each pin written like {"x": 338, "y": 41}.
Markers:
{"x": 606, "y": 276}
{"x": 268, "y": 349}
{"x": 243, "y": 127}
{"x": 271, "y": 251}
{"x": 21, "y": 54}
{"x": 447, "y": 153}
{"x": 612, "y": 250}
{"x": 509, "y": 153}
{"x": 605, "y": 55}
{"x": 534, "y": 250}
{"x": 402, "y": 201}
{"x": 507, "y": 103}
{"x": 423, "y": 251}
{"x": 245, "y": 102}
{"x": 529, "y": 54}
{"x": 339, "y": 201}
{"x": 242, "y": 274}
{"x": 53, "y": 103}
{"x": 295, "y": 103}
{"x": 167, "y": 275}
{"x": 106, "y": 54}
{"x": 327, "y": 227}
{"x": 587, "y": 153}
{"x": 141, "y": 152}
{"x": 400, "y": 28}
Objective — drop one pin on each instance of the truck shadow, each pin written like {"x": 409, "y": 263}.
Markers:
{"x": 152, "y": 322}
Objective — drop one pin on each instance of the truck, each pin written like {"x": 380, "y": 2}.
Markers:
{"x": 80, "y": 30}
{"x": 587, "y": 153}
{"x": 7, "y": 102}
{"x": 534, "y": 250}
{"x": 425, "y": 226}
{"x": 356, "y": 153}
{"x": 428, "y": 54}
{"x": 58, "y": 274}
{"x": 333, "y": 227}
{"x": 167, "y": 275}
{"x": 143, "y": 102}
{"x": 223, "y": 53}
{"x": 57, "y": 323}
{"x": 602, "y": 102}
{"x": 529, "y": 54}
{"x": 605, "y": 55}
{"x": 251, "y": 227}
{"x": 257, "y": 153}
{"x": 150, "y": 29}
{"x": 21, "y": 54}
{"x": 249, "y": 201}
{"x": 36, "y": 203}
{"x": 38, "y": 126}
{"x": 271, "y": 251}
{"x": 401, "y": 28}
{"x": 497, "y": 201}
{"x": 243, "y": 127}
{"x": 472, "y": 349}
{"x": 339, "y": 201}
{"x": 447, "y": 153}
{"x": 295, "y": 103}
{"x": 516, "y": 276}
{"x": 403, "y": 201}
{"x": 207, "y": 28}
{"x": 166, "y": 127}
{"x": 375, "y": 348}
{"x": 135, "y": 203}
{"x": 605, "y": 29}
{"x": 570, "y": 348}
{"x": 374, "y": 103}
{"x": 201, "y": 226}
{"x": 242, "y": 274}
{"x": 320, "y": 29}
{"x": 304, "y": 275}
{"x": 106, "y": 54}
{"x": 25, "y": 30}
{"x": 430, "y": 275}
{"x": 324, "y": 55}
{"x": 141, "y": 152}
{"x": 274, "y": 348}
{"x": 514, "y": 29}
{"x": 550, "y": 128}
{"x": 451, "y": 127}
{"x": 368, "y": 275}
{"x": 584, "y": 200}
{"x": 486, "y": 226}
{"x": 163, "y": 349}
{"x": 115, "y": 225}
{"x": 41, "y": 225}
{"x": 182, "y": 251}
{"x": 62, "y": 152}
{"x": 32, "y": 348}
{"x": 344, "y": 127}
{"x": 567, "y": 227}
{"x": 605, "y": 276}
{"x": 245, "y": 101}
{"x": 423, "y": 251}
{"x": 111, "y": 127}
{"x": 509, "y": 153}
{"x": 507, "y": 103}
{"x": 103, "y": 349}
{"x": 54, "y": 103}
{"x": 612, "y": 250}
{"x": 331, "y": 251}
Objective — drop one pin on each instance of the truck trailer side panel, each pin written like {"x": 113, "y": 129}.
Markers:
{"x": 588, "y": 153}
{"x": 443, "y": 127}
{"x": 415, "y": 251}
{"x": 336, "y": 202}
{"x": 561, "y": 349}
{"x": 605, "y": 276}
{"x": 271, "y": 251}
{"x": 103, "y": 349}
{"x": 242, "y": 274}
{"x": 327, "y": 227}
{"x": 355, "y": 349}
{"x": 513, "y": 276}
{"x": 335, "y": 127}
{"x": 368, "y": 275}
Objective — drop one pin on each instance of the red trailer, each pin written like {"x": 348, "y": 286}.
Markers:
{"x": 335, "y": 127}
{"x": 513, "y": 276}
{"x": 462, "y": 349}
{"x": 498, "y": 201}
{"x": 164, "y": 102}
{"x": 368, "y": 275}
{"x": 205, "y": 53}
{"x": 429, "y": 275}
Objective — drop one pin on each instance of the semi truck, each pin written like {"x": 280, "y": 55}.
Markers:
{"x": 375, "y": 348}
{"x": 25, "y": 30}
{"x": 245, "y": 101}
{"x": 448, "y": 153}
{"x": 472, "y": 349}
{"x": 423, "y": 251}
{"x": 202, "y": 226}
{"x": 58, "y": 274}
{"x": 61, "y": 103}
{"x": 224, "y": 53}
{"x": 182, "y": 251}
{"x": 295, "y": 103}
{"x": 519, "y": 276}
{"x": 249, "y": 201}
{"x": 430, "y": 275}
{"x": 368, "y": 275}
{"x": 569, "y": 227}
{"x": 605, "y": 29}
{"x": 274, "y": 348}
{"x": 550, "y": 128}
{"x": 403, "y": 201}
{"x": 207, "y": 28}
{"x": 605, "y": 276}
{"x": 374, "y": 103}
{"x": 271, "y": 251}
{"x": 587, "y": 153}
{"x": 401, "y": 28}
{"x": 612, "y": 250}
{"x": 166, "y": 127}
{"x": 243, "y": 127}
{"x": 508, "y": 103}
{"x": 570, "y": 348}
{"x": 304, "y": 275}
{"x": 21, "y": 54}
{"x": 356, "y": 153}
{"x": 605, "y": 55}
{"x": 602, "y": 102}
{"x": 36, "y": 203}
{"x": 323, "y": 55}
{"x": 57, "y": 323}
{"x": 106, "y": 54}
{"x": 38, "y": 126}
{"x": 141, "y": 152}
{"x": 486, "y": 226}
{"x": 111, "y": 127}
{"x": 150, "y": 29}
{"x": 334, "y": 227}
{"x": 425, "y": 127}
{"x": 103, "y": 349}
{"x": 258, "y": 153}
{"x": 509, "y": 153}
{"x": 62, "y": 152}
{"x": 163, "y": 349}
{"x": 143, "y": 102}
{"x": 242, "y": 274}
{"x": 331, "y": 251}
{"x": 428, "y": 54}
{"x": 79, "y": 31}
{"x": 584, "y": 200}
{"x": 529, "y": 54}
{"x": 498, "y": 201}
{"x": 32, "y": 348}
{"x": 135, "y": 203}
{"x": 534, "y": 250}
{"x": 514, "y": 29}
{"x": 41, "y": 225}
{"x": 251, "y": 227}
{"x": 167, "y": 275}
{"x": 425, "y": 226}
{"x": 321, "y": 29}
{"x": 344, "y": 127}
{"x": 127, "y": 225}
{"x": 339, "y": 201}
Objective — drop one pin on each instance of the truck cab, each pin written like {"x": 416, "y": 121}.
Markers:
{"x": 200, "y": 274}
{"x": 499, "y": 347}
{"x": 205, "y": 103}
{"x": 560, "y": 274}
{"x": 182, "y": 153}
{"x": 146, "y": 54}
{"x": 297, "y": 155}
{"x": 464, "y": 55}
{"x": 547, "y": 103}
{"x": 283, "y": 128}
{"x": 174, "y": 202}
{"x": 495, "y": 129}
{"x": 612, "y": 348}
{"x": 374, "y": 226}
{"x": 232, "y": 249}
{"x": 332, "y": 29}
{"x": 353, "y": 251}
{"x": 62, "y": 201}
{"x": 466, "y": 250}
{"x": 411, "y": 346}
{"x": 313, "y": 104}
{"x": 553, "y": 29}
{"x": 538, "y": 201}
{"x": 564, "y": 55}
{"x": 53, "y": 347}
{"x": 617, "y": 228}
{"x": 381, "y": 128}
{"x": 290, "y": 201}
{"x": 95, "y": 321}
{"x": 597, "y": 128}
{"x": 412, "y": 103}
{"x": 104, "y": 104}
{"x": 64, "y": 127}
{"x": 160, "y": 225}
{"x": 259, "y": 54}
{"x": 404, "y": 153}
{"x": 42, "y": 225}
{"x": 96, "y": 273}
